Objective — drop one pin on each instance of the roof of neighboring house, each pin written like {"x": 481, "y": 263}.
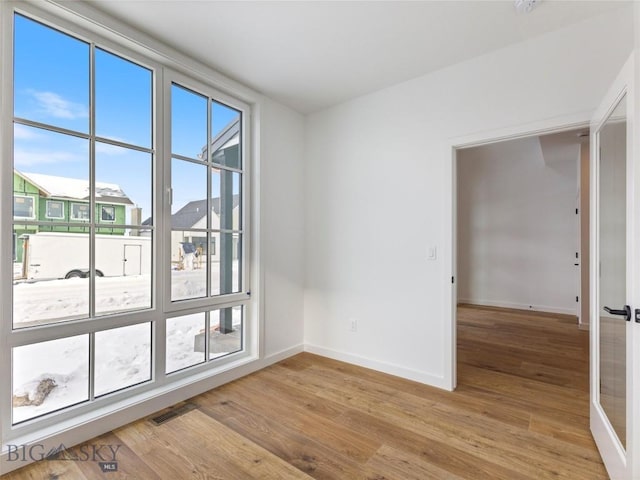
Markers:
{"x": 193, "y": 212}
{"x": 228, "y": 137}
{"x": 75, "y": 189}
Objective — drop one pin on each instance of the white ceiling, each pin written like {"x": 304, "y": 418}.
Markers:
{"x": 311, "y": 55}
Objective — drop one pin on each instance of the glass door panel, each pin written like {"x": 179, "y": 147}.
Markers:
{"x": 612, "y": 238}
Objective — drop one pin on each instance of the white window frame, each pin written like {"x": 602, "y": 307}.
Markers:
{"x": 84, "y": 421}
{"x": 33, "y": 206}
{"x": 46, "y": 211}
{"x": 76, "y": 218}
{"x": 102, "y": 219}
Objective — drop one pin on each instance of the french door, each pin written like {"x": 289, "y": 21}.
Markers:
{"x": 615, "y": 299}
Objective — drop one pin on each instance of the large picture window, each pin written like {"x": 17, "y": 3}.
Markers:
{"x": 102, "y": 312}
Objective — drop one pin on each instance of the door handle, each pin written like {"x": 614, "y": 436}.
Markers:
{"x": 626, "y": 313}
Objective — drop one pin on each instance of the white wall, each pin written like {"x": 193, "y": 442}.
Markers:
{"x": 282, "y": 225}
{"x": 517, "y": 229}
{"x": 378, "y": 180}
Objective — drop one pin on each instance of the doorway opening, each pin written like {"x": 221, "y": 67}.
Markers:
{"x": 521, "y": 247}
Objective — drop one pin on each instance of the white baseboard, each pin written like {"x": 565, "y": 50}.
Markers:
{"x": 384, "y": 367}
{"x": 282, "y": 355}
{"x": 72, "y": 434}
{"x": 520, "y": 306}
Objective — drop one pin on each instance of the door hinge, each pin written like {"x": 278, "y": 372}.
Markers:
{"x": 577, "y": 298}
{"x": 576, "y": 211}
{"x": 453, "y": 280}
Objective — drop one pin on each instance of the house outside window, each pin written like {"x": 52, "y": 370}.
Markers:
{"x": 55, "y": 210}
{"x": 23, "y": 206}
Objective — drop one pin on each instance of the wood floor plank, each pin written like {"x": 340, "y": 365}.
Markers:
{"x": 439, "y": 453}
{"x": 208, "y": 450}
{"x": 561, "y": 429}
{"x": 48, "y": 469}
{"x": 306, "y": 454}
{"x": 520, "y": 412}
{"x": 538, "y": 392}
{"x": 128, "y": 465}
{"x": 270, "y": 404}
{"x": 392, "y": 463}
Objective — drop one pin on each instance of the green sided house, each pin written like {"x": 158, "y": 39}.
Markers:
{"x": 63, "y": 203}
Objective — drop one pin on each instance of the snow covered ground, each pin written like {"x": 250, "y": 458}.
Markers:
{"x": 60, "y": 300}
{"x": 57, "y": 300}
{"x": 65, "y": 361}
{"x": 123, "y": 355}
{"x": 181, "y": 332}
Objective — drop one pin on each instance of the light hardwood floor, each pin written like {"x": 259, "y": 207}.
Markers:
{"x": 520, "y": 412}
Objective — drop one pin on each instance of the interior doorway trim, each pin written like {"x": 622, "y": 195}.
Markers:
{"x": 543, "y": 127}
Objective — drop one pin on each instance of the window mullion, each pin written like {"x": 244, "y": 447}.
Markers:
{"x": 92, "y": 366}
{"x": 209, "y": 208}
{"x": 92, "y": 186}
{"x": 207, "y": 335}
{"x": 158, "y": 206}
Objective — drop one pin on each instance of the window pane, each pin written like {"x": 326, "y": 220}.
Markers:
{"x": 225, "y": 135}
{"x": 185, "y": 341}
{"x": 225, "y": 332}
{"x": 49, "y": 376}
{"x": 24, "y": 206}
{"x": 80, "y": 212}
{"x": 188, "y": 264}
{"x": 123, "y": 358}
{"x": 227, "y": 200}
{"x": 123, "y": 180}
{"x": 55, "y": 210}
{"x": 189, "y": 203}
{"x": 189, "y": 211}
{"x": 50, "y": 273}
{"x": 107, "y": 213}
{"x": 122, "y": 86}
{"x": 123, "y": 272}
{"x": 188, "y": 123}
{"x": 49, "y": 164}
{"x": 226, "y": 264}
{"x": 216, "y": 184}
{"x": 51, "y": 74}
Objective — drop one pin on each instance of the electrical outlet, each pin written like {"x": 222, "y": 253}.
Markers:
{"x": 353, "y": 325}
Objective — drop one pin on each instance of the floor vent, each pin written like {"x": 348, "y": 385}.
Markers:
{"x": 173, "y": 412}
